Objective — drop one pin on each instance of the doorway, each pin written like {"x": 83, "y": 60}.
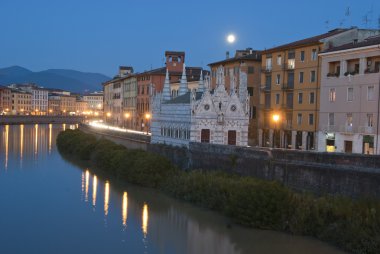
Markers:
{"x": 348, "y": 146}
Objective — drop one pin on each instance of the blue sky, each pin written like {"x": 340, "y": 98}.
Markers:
{"x": 100, "y": 35}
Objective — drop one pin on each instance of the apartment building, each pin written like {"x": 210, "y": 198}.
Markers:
{"x": 129, "y": 96}
{"x": 289, "y": 96}
{"x": 249, "y": 62}
{"x": 21, "y": 102}
{"x": 113, "y": 96}
{"x": 5, "y": 100}
{"x": 349, "y": 108}
{"x": 94, "y": 101}
{"x": 81, "y": 106}
{"x": 39, "y": 97}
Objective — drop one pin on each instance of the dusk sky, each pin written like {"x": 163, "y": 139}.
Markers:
{"x": 98, "y": 36}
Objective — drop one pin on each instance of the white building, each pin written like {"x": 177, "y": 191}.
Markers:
{"x": 94, "y": 101}
{"x": 216, "y": 117}
{"x": 349, "y": 98}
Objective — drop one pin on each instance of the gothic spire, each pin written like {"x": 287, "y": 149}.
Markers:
{"x": 183, "y": 85}
{"x": 166, "y": 90}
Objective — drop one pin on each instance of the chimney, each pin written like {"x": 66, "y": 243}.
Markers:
{"x": 125, "y": 71}
{"x": 227, "y": 54}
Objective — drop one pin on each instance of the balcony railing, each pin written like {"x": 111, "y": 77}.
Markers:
{"x": 266, "y": 69}
{"x": 373, "y": 70}
{"x": 266, "y": 88}
{"x": 333, "y": 74}
{"x": 366, "y": 129}
{"x": 288, "y": 86}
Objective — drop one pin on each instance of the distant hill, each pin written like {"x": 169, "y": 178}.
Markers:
{"x": 70, "y": 80}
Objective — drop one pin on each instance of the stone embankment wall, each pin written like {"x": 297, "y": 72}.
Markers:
{"x": 129, "y": 140}
{"x": 351, "y": 175}
{"x": 40, "y": 119}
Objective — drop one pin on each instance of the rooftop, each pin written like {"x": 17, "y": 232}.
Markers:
{"x": 370, "y": 41}
{"x": 308, "y": 41}
{"x": 241, "y": 55}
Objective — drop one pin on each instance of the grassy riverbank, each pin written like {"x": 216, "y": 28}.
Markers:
{"x": 351, "y": 225}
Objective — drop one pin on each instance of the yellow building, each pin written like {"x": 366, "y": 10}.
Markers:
{"x": 289, "y": 97}
{"x": 248, "y": 61}
{"x": 21, "y": 102}
{"x": 81, "y": 107}
{"x": 68, "y": 104}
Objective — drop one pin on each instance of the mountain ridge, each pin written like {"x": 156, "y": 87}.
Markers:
{"x": 66, "y": 79}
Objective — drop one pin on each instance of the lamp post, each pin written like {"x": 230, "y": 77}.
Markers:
{"x": 147, "y": 117}
{"x": 276, "y": 119}
{"x": 128, "y": 116}
{"x": 108, "y": 115}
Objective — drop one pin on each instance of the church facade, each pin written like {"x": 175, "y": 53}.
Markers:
{"x": 203, "y": 115}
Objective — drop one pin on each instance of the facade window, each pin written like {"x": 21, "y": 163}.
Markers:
{"x": 299, "y": 118}
{"x": 350, "y": 94}
{"x": 279, "y": 60}
{"x": 277, "y": 98}
{"x": 314, "y": 54}
{"x": 332, "y": 95}
{"x": 250, "y": 91}
{"x": 369, "y": 120}
{"x": 236, "y": 69}
{"x": 300, "y": 98}
{"x": 252, "y": 112}
{"x": 251, "y": 69}
{"x": 278, "y": 78}
{"x": 311, "y": 119}
{"x": 349, "y": 119}
{"x": 268, "y": 63}
{"x": 312, "y": 98}
{"x": 302, "y": 56}
{"x": 371, "y": 93}
{"x": 331, "y": 119}
{"x": 268, "y": 81}
{"x": 312, "y": 76}
{"x": 301, "y": 77}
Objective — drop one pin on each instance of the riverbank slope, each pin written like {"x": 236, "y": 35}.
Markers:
{"x": 351, "y": 225}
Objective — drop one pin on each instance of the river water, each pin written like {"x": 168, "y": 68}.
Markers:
{"x": 48, "y": 205}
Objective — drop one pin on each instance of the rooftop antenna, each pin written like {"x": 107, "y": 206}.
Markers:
{"x": 341, "y": 23}
{"x": 327, "y": 24}
{"x": 348, "y": 14}
{"x": 365, "y": 20}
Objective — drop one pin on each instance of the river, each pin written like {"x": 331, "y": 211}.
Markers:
{"x": 49, "y": 205}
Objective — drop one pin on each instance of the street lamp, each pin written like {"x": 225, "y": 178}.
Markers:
{"x": 147, "y": 117}
{"x": 127, "y": 116}
{"x": 276, "y": 119}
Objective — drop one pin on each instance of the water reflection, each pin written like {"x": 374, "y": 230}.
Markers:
{"x": 106, "y": 197}
{"x": 21, "y": 142}
{"x": 50, "y": 136}
{"x": 36, "y": 140}
{"x": 94, "y": 190}
{"x": 145, "y": 220}
{"x": 125, "y": 209}
{"x": 6, "y": 145}
{"x": 87, "y": 184}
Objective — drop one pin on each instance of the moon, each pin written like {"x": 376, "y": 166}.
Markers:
{"x": 231, "y": 38}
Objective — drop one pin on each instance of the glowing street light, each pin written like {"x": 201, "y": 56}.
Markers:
{"x": 108, "y": 114}
{"x": 127, "y": 115}
{"x": 147, "y": 117}
{"x": 276, "y": 118}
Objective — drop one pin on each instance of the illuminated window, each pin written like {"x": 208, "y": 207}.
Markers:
{"x": 332, "y": 95}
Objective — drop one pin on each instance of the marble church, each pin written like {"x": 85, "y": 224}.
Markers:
{"x": 214, "y": 116}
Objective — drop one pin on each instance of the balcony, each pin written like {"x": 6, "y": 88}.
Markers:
{"x": 287, "y": 106}
{"x": 265, "y": 106}
{"x": 333, "y": 74}
{"x": 288, "y": 66}
{"x": 288, "y": 86}
{"x": 265, "y": 88}
{"x": 267, "y": 69}
{"x": 366, "y": 130}
{"x": 347, "y": 129}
